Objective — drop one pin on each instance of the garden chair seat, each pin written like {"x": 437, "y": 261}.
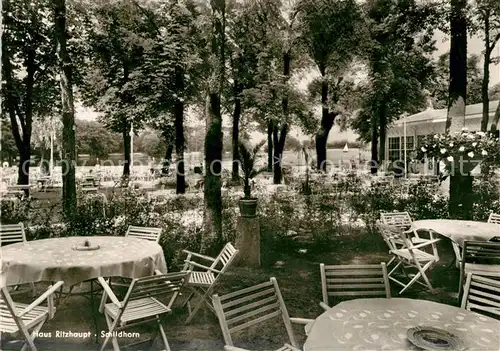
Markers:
{"x": 137, "y": 309}
{"x": 480, "y": 267}
{"x": 419, "y": 254}
{"x": 201, "y": 278}
{"x": 205, "y": 280}
{"x": 30, "y": 319}
{"x": 140, "y": 305}
{"x": 27, "y": 319}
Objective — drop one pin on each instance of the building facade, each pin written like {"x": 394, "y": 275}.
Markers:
{"x": 428, "y": 122}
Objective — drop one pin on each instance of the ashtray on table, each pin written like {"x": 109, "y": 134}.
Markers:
{"x": 86, "y": 246}
{"x": 430, "y": 338}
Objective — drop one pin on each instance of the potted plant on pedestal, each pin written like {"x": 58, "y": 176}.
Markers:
{"x": 248, "y": 159}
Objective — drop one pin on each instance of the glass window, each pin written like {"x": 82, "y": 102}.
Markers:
{"x": 410, "y": 143}
{"x": 394, "y": 148}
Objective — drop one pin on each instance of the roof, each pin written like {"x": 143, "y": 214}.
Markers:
{"x": 431, "y": 115}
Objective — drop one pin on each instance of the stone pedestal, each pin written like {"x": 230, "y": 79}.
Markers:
{"x": 248, "y": 242}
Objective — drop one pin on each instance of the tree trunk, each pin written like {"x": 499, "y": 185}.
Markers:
{"x": 279, "y": 145}
{"x": 382, "y": 135}
{"x": 23, "y": 175}
{"x": 179, "y": 134}
{"x": 68, "y": 112}
{"x": 457, "y": 92}
{"x": 279, "y": 138}
{"x": 270, "y": 146}
{"x": 486, "y": 73}
{"x": 374, "y": 161}
{"x": 461, "y": 196}
{"x": 169, "y": 135}
{"x": 236, "y": 130}
{"x": 461, "y": 202}
{"x": 211, "y": 241}
{"x": 168, "y": 158}
{"x": 126, "y": 149}
{"x": 326, "y": 124}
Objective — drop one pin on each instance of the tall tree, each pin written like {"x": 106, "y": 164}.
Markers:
{"x": 115, "y": 46}
{"x": 28, "y": 71}
{"x": 460, "y": 204}
{"x": 440, "y": 86}
{"x": 488, "y": 15}
{"x": 400, "y": 36}
{"x": 457, "y": 93}
{"x": 68, "y": 111}
{"x": 212, "y": 236}
{"x": 329, "y": 30}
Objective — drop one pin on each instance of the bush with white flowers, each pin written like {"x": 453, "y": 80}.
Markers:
{"x": 460, "y": 146}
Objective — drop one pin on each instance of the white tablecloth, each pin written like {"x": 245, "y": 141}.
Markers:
{"x": 55, "y": 259}
{"x": 460, "y": 231}
{"x": 381, "y": 324}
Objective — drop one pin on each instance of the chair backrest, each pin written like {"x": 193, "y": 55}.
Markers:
{"x": 156, "y": 285}
{"x": 481, "y": 252}
{"x": 146, "y": 233}
{"x": 225, "y": 258}
{"x": 482, "y": 294}
{"x": 12, "y": 233}
{"x": 354, "y": 280}
{"x": 251, "y": 306}
{"x": 400, "y": 220}
{"x": 8, "y": 310}
{"x": 494, "y": 218}
{"x": 391, "y": 235}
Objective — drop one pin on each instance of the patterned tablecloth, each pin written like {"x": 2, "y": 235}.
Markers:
{"x": 55, "y": 259}
{"x": 459, "y": 231}
{"x": 381, "y": 324}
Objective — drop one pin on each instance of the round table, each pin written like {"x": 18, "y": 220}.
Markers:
{"x": 56, "y": 259}
{"x": 459, "y": 231}
{"x": 381, "y": 324}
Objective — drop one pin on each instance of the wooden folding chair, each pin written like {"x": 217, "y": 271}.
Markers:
{"x": 409, "y": 255}
{"x": 494, "y": 218}
{"x": 146, "y": 233}
{"x": 253, "y": 306}
{"x": 11, "y": 234}
{"x": 20, "y": 317}
{"x": 482, "y": 293}
{"x": 203, "y": 283}
{"x": 479, "y": 257}
{"x": 140, "y": 305}
{"x": 401, "y": 221}
{"x": 353, "y": 280}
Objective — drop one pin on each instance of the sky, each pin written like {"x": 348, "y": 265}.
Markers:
{"x": 474, "y": 46}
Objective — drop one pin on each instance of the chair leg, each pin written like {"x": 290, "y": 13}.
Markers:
{"x": 163, "y": 336}
{"x": 460, "y": 283}
{"x": 33, "y": 290}
{"x": 111, "y": 328}
{"x": 30, "y": 338}
{"x": 422, "y": 271}
{"x": 187, "y": 299}
{"x": 198, "y": 305}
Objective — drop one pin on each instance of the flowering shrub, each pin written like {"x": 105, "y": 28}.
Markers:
{"x": 459, "y": 147}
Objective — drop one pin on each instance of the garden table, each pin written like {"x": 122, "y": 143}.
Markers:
{"x": 459, "y": 231}
{"x": 382, "y": 324}
{"x": 55, "y": 259}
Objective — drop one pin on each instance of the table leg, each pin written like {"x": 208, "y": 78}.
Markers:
{"x": 92, "y": 310}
